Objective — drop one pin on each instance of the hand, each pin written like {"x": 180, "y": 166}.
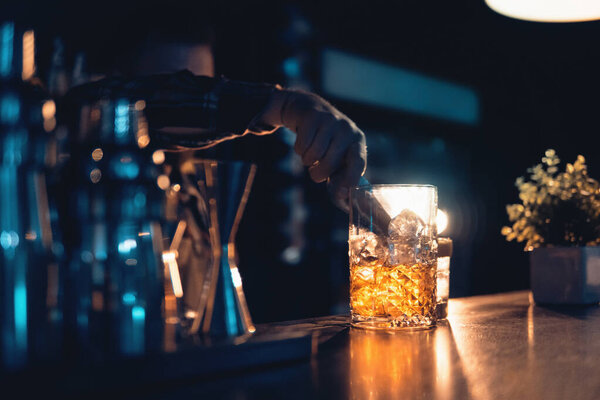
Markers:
{"x": 330, "y": 144}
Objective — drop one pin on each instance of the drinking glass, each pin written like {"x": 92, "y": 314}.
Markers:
{"x": 393, "y": 256}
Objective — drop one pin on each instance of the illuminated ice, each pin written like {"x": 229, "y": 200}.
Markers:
{"x": 367, "y": 248}
{"x": 404, "y": 234}
{"x": 406, "y": 227}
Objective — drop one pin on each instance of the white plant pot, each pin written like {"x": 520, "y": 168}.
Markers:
{"x": 565, "y": 275}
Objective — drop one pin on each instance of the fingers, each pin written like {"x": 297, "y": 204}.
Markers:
{"x": 347, "y": 177}
{"x": 309, "y": 116}
{"x": 355, "y": 163}
{"x": 343, "y": 137}
{"x": 307, "y": 132}
{"x": 338, "y": 193}
{"x": 301, "y": 115}
{"x": 327, "y": 140}
{"x": 322, "y": 141}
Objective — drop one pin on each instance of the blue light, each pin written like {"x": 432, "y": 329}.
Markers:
{"x": 139, "y": 200}
{"x": 133, "y": 339}
{"x": 138, "y": 314}
{"x": 230, "y": 312}
{"x": 5, "y": 240}
{"x": 9, "y": 239}
{"x": 291, "y": 67}
{"x": 359, "y": 79}
{"x": 9, "y": 109}
{"x": 126, "y": 169}
{"x": 14, "y": 145}
{"x": 129, "y": 298}
{"x": 7, "y": 34}
{"x": 87, "y": 256}
{"x": 121, "y": 118}
{"x": 99, "y": 243}
{"x": 127, "y": 245}
{"x": 14, "y": 239}
{"x": 82, "y": 319}
{"x": 20, "y": 299}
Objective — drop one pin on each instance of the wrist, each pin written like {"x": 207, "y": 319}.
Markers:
{"x": 282, "y": 108}
{"x": 274, "y": 111}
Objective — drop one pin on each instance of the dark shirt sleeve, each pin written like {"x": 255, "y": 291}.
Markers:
{"x": 184, "y": 110}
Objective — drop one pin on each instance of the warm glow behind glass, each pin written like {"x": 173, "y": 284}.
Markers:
{"x": 395, "y": 198}
{"x": 548, "y": 10}
{"x": 441, "y": 221}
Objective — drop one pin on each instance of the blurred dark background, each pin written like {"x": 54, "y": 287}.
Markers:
{"x": 535, "y": 87}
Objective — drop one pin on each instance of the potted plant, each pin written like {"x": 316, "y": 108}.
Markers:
{"x": 558, "y": 219}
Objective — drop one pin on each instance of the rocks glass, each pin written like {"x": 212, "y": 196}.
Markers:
{"x": 393, "y": 256}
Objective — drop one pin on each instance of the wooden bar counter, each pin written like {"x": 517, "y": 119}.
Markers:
{"x": 498, "y": 346}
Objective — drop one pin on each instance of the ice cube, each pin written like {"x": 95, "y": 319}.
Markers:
{"x": 367, "y": 248}
{"x": 402, "y": 253}
{"x": 406, "y": 227}
{"x": 405, "y": 232}
{"x": 427, "y": 249}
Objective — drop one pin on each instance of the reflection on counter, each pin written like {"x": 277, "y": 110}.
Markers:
{"x": 497, "y": 370}
{"x": 406, "y": 365}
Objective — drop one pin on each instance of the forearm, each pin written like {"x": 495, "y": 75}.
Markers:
{"x": 189, "y": 111}
{"x": 208, "y": 111}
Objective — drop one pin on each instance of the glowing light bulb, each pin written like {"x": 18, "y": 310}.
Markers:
{"x": 140, "y": 105}
{"x": 48, "y": 109}
{"x": 548, "y": 10}
{"x": 97, "y": 154}
{"x": 441, "y": 221}
{"x": 158, "y": 157}
{"x": 163, "y": 182}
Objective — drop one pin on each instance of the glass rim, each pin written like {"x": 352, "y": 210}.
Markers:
{"x": 393, "y": 185}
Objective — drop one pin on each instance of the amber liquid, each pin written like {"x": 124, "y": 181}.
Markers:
{"x": 396, "y": 296}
